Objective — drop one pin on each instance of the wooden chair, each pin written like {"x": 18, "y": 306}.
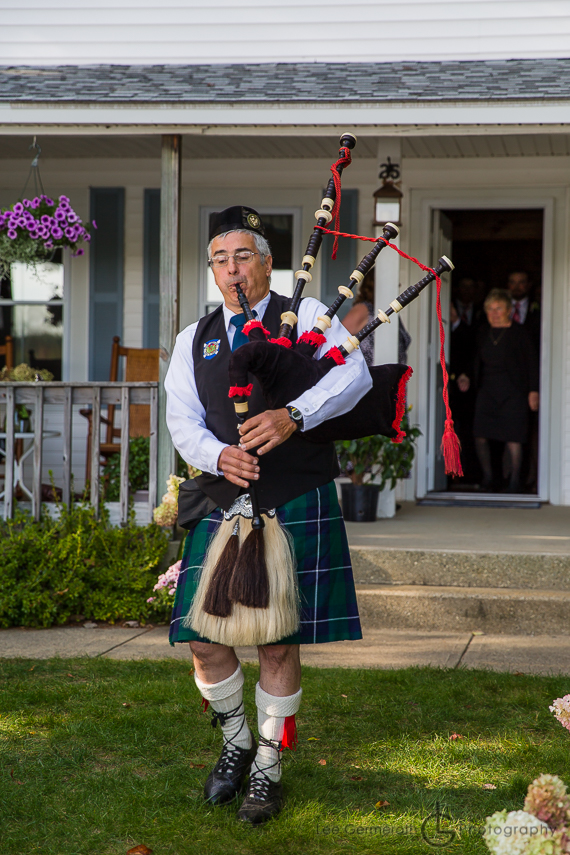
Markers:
{"x": 141, "y": 364}
{"x": 7, "y": 351}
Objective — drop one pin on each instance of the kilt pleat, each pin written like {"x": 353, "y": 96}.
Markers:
{"x": 329, "y": 611}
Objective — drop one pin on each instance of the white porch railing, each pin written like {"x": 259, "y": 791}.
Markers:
{"x": 96, "y": 395}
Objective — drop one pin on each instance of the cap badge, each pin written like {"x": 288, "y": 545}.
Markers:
{"x": 253, "y": 221}
{"x": 211, "y": 348}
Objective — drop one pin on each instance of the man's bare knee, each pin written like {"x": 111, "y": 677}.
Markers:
{"x": 275, "y": 656}
{"x": 211, "y": 655}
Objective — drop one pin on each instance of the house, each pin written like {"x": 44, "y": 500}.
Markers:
{"x": 214, "y": 107}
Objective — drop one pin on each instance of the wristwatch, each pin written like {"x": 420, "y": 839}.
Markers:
{"x": 296, "y": 416}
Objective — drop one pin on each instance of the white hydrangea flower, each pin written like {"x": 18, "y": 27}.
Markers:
{"x": 512, "y": 833}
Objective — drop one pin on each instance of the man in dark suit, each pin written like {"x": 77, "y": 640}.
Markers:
{"x": 525, "y": 311}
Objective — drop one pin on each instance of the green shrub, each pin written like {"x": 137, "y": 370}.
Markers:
{"x": 139, "y": 453}
{"x": 76, "y": 564}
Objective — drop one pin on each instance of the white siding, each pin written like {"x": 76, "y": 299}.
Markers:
{"x": 35, "y": 32}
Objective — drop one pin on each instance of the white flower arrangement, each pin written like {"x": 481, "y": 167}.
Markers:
{"x": 512, "y": 833}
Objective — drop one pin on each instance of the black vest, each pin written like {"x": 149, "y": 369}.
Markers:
{"x": 294, "y": 467}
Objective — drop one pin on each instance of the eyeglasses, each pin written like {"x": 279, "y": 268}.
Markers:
{"x": 243, "y": 257}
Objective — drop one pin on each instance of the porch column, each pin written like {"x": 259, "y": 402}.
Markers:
{"x": 169, "y": 291}
{"x": 386, "y": 289}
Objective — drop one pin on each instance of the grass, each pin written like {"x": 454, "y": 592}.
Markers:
{"x": 98, "y": 756}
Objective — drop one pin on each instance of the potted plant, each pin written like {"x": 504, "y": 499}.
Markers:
{"x": 373, "y": 457}
{"x": 32, "y": 229}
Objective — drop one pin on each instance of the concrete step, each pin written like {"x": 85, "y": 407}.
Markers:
{"x": 466, "y": 569}
{"x": 502, "y": 611}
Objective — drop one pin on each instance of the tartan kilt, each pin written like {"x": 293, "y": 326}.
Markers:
{"x": 329, "y": 610}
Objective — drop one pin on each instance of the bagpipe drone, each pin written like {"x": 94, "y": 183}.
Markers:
{"x": 248, "y": 587}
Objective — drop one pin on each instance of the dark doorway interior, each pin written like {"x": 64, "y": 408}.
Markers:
{"x": 488, "y": 246}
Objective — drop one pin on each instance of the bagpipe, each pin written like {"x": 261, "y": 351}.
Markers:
{"x": 248, "y": 587}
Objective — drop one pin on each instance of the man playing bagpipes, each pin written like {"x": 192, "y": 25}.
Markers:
{"x": 294, "y": 483}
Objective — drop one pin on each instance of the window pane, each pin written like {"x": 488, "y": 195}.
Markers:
{"x": 37, "y": 332}
{"x": 37, "y": 281}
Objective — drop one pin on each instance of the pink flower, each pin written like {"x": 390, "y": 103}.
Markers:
{"x": 26, "y": 203}
{"x": 59, "y": 214}
{"x": 18, "y": 208}
{"x": 34, "y": 235}
{"x": 64, "y": 199}
{"x": 49, "y": 201}
{"x": 46, "y": 220}
{"x": 172, "y": 591}
{"x": 36, "y": 202}
{"x": 94, "y": 224}
{"x": 48, "y": 244}
{"x": 12, "y": 234}
{"x": 56, "y": 233}
{"x": 151, "y": 599}
{"x": 80, "y": 251}
{"x": 70, "y": 233}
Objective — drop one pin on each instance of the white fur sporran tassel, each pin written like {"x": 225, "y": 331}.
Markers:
{"x": 250, "y": 626}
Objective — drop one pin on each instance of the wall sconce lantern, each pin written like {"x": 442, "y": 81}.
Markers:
{"x": 387, "y": 199}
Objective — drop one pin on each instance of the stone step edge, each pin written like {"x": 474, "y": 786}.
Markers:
{"x": 391, "y": 551}
{"x": 456, "y": 592}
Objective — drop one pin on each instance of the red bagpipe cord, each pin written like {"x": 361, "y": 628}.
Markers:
{"x": 450, "y": 445}
{"x": 313, "y": 338}
{"x": 344, "y": 160}
{"x": 284, "y": 342}
{"x": 334, "y": 353}
{"x": 240, "y": 391}
{"x": 290, "y": 734}
{"x": 401, "y": 406}
{"x": 204, "y": 704}
{"x": 252, "y": 325}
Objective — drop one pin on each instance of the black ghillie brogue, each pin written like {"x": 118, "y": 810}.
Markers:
{"x": 227, "y": 778}
{"x": 264, "y": 797}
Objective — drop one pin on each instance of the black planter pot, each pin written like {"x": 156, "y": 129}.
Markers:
{"x": 359, "y": 502}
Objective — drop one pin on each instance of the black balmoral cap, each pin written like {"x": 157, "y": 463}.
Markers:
{"x": 236, "y": 217}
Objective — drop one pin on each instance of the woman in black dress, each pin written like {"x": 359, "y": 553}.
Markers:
{"x": 506, "y": 378}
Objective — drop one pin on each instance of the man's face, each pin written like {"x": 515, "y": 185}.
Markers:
{"x": 253, "y": 278}
{"x": 518, "y": 285}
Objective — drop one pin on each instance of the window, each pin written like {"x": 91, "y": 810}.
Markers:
{"x": 32, "y": 302}
{"x": 280, "y": 231}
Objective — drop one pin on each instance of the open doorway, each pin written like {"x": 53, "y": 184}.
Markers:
{"x": 491, "y": 376}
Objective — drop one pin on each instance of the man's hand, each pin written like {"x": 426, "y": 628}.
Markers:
{"x": 271, "y": 428}
{"x": 463, "y": 383}
{"x": 237, "y": 465}
{"x": 533, "y": 401}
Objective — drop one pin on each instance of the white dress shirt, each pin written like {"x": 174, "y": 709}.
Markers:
{"x": 522, "y": 306}
{"x": 336, "y": 393}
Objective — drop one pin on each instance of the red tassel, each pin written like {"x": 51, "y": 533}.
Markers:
{"x": 312, "y": 338}
{"x": 204, "y": 704}
{"x": 253, "y": 325}
{"x": 334, "y": 353}
{"x": 240, "y": 391}
{"x": 451, "y": 448}
{"x": 401, "y": 405}
{"x": 290, "y": 734}
{"x": 450, "y": 445}
{"x": 284, "y": 342}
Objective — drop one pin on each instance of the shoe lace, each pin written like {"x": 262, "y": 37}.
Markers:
{"x": 231, "y": 753}
{"x": 259, "y": 781}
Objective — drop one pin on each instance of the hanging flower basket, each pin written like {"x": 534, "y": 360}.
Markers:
{"x": 31, "y": 231}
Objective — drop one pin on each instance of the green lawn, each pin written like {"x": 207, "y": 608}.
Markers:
{"x": 98, "y": 756}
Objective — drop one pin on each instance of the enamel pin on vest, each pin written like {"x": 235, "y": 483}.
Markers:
{"x": 211, "y": 348}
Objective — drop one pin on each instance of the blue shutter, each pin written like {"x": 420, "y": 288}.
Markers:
{"x": 105, "y": 277}
{"x": 335, "y": 273}
{"x": 151, "y": 265}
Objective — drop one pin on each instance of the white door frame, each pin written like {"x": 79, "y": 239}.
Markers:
{"x": 423, "y": 203}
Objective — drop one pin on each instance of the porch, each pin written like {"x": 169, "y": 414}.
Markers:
{"x": 48, "y": 452}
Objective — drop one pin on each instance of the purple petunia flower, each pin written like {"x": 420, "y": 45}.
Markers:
{"x": 56, "y": 232}
{"x": 46, "y": 220}
{"x": 18, "y": 208}
{"x": 48, "y": 244}
{"x": 71, "y": 217}
{"x": 26, "y": 203}
{"x": 34, "y": 235}
{"x": 64, "y": 198}
{"x": 43, "y": 232}
{"x": 70, "y": 233}
{"x": 87, "y": 238}
{"x": 80, "y": 251}
{"x": 49, "y": 201}
{"x": 12, "y": 234}
{"x": 59, "y": 214}
{"x": 65, "y": 206}
{"x": 94, "y": 224}
{"x": 36, "y": 202}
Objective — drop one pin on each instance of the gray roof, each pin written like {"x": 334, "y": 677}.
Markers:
{"x": 490, "y": 80}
